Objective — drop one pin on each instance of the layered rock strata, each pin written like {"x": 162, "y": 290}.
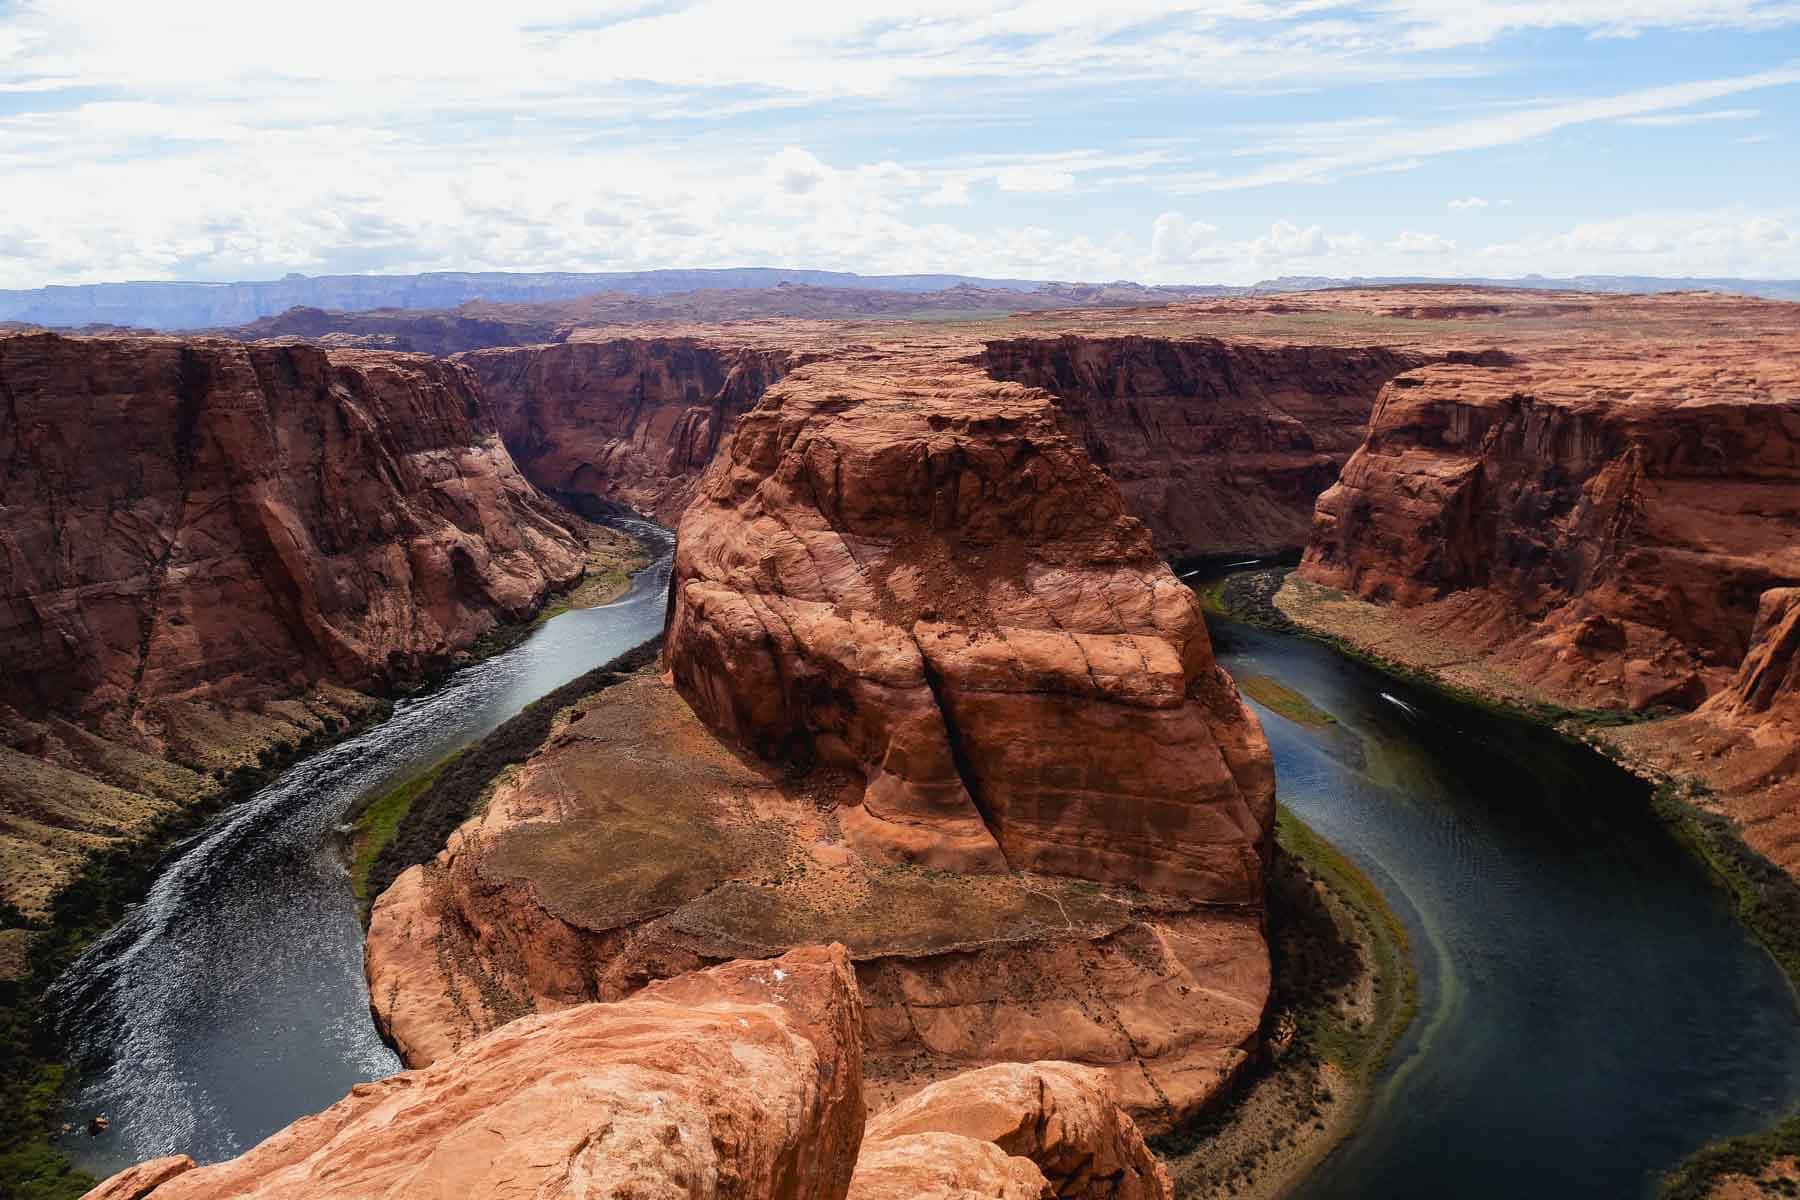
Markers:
{"x": 916, "y": 575}
{"x": 1218, "y": 447}
{"x": 206, "y": 546}
{"x": 1608, "y": 537}
{"x": 622, "y": 423}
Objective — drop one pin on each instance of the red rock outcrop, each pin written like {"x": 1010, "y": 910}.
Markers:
{"x": 627, "y": 422}
{"x": 912, "y": 572}
{"x": 743, "y": 1082}
{"x": 205, "y": 543}
{"x": 1217, "y": 446}
{"x": 1062, "y": 1119}
{"x": 1603, "y": 528}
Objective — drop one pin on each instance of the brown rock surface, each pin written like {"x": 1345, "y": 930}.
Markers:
{"x": 205, "y": 544}
{"x": 1063, "y": 1119}
{"x": 740, "y": 1082}
{"x": 1217, "y": 446}
{"x": 636, "y": 846}
{"x": 622, "y": 422}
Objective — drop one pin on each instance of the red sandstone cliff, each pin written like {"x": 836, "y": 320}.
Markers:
{"x": 202, "y": 544}
{"x": 1217, "y": 446}
{"x": 1605, "y": 530}
{"x": 623, "y": 423}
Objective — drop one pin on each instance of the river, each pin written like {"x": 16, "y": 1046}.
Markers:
{"x": 1589, "y": 1009}
{"x": 232, "y": 1001}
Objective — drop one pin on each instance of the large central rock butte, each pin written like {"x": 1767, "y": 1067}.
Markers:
{"x": 921, "y": 578}
{"x": 205, "y": 544}
{"x": 948, "y": 680}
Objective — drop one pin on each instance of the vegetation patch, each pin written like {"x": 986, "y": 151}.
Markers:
{"x": 455, "y": 793}
{"x": 1344, "y": 990}
{"x": 1750, "y": 1156}
{"x": 1279, "y": 698}
{"x": 376, "y": 822}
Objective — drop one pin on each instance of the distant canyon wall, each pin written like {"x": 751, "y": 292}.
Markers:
{"x": 1217, "y": 447}
{"x": 624, "y": 423}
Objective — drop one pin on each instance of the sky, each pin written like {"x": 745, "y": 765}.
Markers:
{"x": 1220, "y": 142}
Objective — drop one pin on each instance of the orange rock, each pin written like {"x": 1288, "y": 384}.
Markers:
{"x": 742, "y": 1081}
{"x": 944, "y": 1166}
{"x": 904, "y": 568}
{"x": 635, "y": 846}
{"x": 137, "y": 1182}
{"x": 1064, "y": 1119}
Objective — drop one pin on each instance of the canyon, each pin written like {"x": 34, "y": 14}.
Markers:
{"x": 930, "y": 693}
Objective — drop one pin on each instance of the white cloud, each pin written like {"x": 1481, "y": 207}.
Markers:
{"x": 1175, "y": 241}
{"x": 1672, "y": 119}
{"x": 1321, "y": 152}
{"x": 1411, "y": 242}
{"x": 1716, "y": 243}
{"x": 1033, "y": 179}
{"x": 1469, "y": 202}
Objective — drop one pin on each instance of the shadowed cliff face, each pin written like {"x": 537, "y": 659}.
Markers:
{"x": 205, "y": 543}
{"x": 1216, "y": 447}
{"x": 628, "y": 423}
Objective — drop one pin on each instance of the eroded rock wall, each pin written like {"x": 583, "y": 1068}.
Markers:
{"x": 1614, "y": 549}
{"x": 1217, "y": 447}
{"x": 624, "y": 423}
{"x": 205, "y": 544}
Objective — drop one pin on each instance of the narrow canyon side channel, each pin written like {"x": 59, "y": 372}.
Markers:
{"x": 1590, "y": 1011}
{"x": 232, "y": 1001}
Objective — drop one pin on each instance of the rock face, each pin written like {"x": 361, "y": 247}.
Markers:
{"x": 623, "y": 423}
{"x": 744, "y": 1081}
{"x": 918, "y": 577}
{"x": 1605, "y": 530}
{"x": 1062, "y": 1119}
{"x": 204, "y": 544}
{"x": 1219, "y": 447}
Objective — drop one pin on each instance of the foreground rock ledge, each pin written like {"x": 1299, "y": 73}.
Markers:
{"x": 743, "y": 1081}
